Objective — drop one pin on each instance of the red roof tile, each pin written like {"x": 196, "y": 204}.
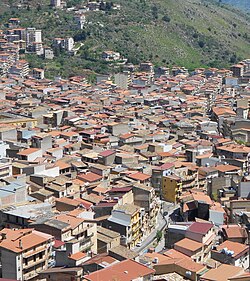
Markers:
{"x": 200, "y": 227}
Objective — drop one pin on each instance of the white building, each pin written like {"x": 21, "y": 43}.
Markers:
{"x": 69, "y": 44}
{"x": 25, "y": 253}
{"x": 64, "y": 43}
{"x": 38, "y": 73}
{"x": 80, "y": 20}
{"x": 33, "y": 35}
{"x": 55, "y": 3}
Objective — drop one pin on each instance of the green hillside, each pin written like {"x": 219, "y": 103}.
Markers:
{"x": 191, "y": 33}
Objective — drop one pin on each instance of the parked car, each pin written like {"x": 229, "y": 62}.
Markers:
{"x": 139, "y": 244}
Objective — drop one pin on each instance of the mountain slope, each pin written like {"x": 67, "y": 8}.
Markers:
{"x": 194, "y": 33}
{"x": 191, "y": 33}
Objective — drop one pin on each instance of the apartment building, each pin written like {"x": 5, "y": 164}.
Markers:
{"x": 171, "y": 188}
{"x": 25, "y": 253}
{"x": 145, "y": 198}
{"x": 126, "y": 219}
{"x": 78, "y": 234}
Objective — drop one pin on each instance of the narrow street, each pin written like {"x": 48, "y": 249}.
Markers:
{"x": 162, "y": 221}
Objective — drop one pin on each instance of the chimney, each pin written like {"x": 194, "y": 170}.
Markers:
{"x": 20, "y": 244}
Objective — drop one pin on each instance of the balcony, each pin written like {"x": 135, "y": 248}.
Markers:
{"x": 80, "y": 231}
{"x": 86, "y": 246}
{"x": 32, "y": 263}
{"x": 136, "y": 228}
{"x": 36, "y": 251}
{"x": 189, "y": 178}
{"x": 30, "y": 275}
{"x": 85, "y": 239}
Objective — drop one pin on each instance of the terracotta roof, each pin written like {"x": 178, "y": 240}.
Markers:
{"x": 188, "y": 244}
{"x": 234, "y": 231}
{"x": 222, "y": 273}
{"x": 106, "y": 153}
{"x": 126, "y": 136}
{"x": 89, "y": 177}
{"x": 28, "y": 151}
{"x": 238, "y": 248}
{"x": 62, "y": 165}
{"x": 77, "y": 256}
{"x": 199, "y": 227}
{"x": 226, "y": 168}
{"x": 139, "y": 176}
{"x": 29, "y": 238}
{"x": 58, "y": 243}
{"x": 173, "y": 254}
{"x": 165, "y": 166}
{"x": 72, "y": 221}
{"x": 126, "y": 270}
{"x": 68, "y": 201}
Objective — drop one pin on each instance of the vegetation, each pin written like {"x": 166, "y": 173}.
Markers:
{"x": 168, "y": 32}
{"x": 158, "y": 235}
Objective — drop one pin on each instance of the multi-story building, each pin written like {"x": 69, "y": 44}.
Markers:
{"x": 80, "y": 20}
{"x": 238, "y": 69}
{"x": 5, "y": 167}
{"x": 38, "y": 73}
{"x": 21, "y": 32}
{"x": 145, "y": 198}
{"x": 48, "y": 53}
{"x": 20, "y": 68}
{"x": 171, "y": 188}
{"x": 127, "y": 220}
{"x": 78, "y": 234}
{"x": 33, "y": 35}
{"x": 64, "y": 43}
{"x": 25, "y": 253}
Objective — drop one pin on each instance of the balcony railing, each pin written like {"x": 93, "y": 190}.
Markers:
{"x": 32, "y": 263}
{"x": 36, "y": 251}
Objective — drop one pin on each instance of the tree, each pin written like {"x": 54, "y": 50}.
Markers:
{"x": 57, "y": 51}
{"x": 108, "y": 6}
{"x": 39, "y": 8}
{"x": 155, "y": 12}
{"x": 166, "y": 18}
{"x": 80, "y": 36}
{"x": 158, "y": 235}
{"x": 201, "y": 43}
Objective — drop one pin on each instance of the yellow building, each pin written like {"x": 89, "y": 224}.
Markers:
{"x": 126, "y": 219}
{"x": 171, "y": 188}
{"x": 20, "y": 122}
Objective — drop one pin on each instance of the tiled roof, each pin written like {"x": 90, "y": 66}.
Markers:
{"x": 199, "y": 227}
{"x": 126, "y": 270}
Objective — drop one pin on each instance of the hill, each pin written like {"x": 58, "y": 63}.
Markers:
{"x": 192, "y": 33}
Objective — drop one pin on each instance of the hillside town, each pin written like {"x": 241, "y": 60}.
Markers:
{"x": 142, "y": 174}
